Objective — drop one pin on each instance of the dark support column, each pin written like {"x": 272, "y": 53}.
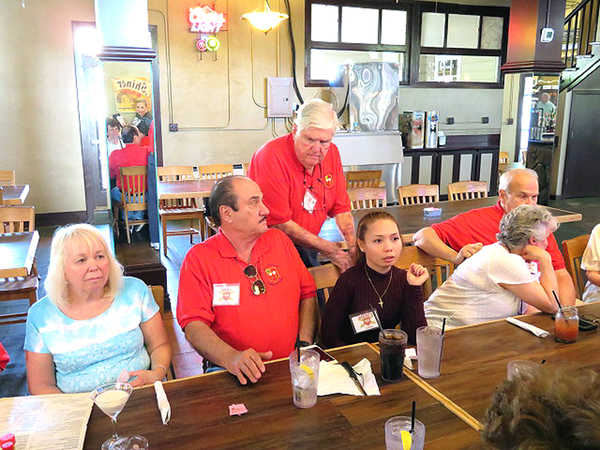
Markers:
{"x": 526, "y": 52}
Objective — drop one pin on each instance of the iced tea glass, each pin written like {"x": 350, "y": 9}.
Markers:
{"x": 566, "y": 325}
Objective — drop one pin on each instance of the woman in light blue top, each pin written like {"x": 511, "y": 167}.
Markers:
{"x": 94, "y": 323}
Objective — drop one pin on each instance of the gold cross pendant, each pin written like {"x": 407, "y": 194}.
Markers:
{"x": 380, "y": 303}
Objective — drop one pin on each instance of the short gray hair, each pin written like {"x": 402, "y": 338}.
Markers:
{"x": 524, "y": 222}
{"x": 316, "y": 113}
{"x": 507, "y": 177}
{"x": 56, "y": 282}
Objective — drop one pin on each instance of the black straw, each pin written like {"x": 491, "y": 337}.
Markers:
{"x": 543, "y": 362}
{"x": 556, "y": 298}
{"x": 298, "y": 347}
{"x": 443, "y": 326}
{"x": 412, "y": 416}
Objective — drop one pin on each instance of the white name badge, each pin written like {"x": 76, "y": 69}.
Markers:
{"x": 309, "y": 201}
{"x": 226, "y": 294}
{"x": 363, "y": 321}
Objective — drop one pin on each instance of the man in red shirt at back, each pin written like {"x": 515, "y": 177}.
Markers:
{"x": 133, "y": 154}
{"x": 302, "y": 179}
{"x": 464, "y": 235}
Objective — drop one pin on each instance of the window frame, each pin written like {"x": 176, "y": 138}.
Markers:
{"x": 412, "y": 49}
{"x": 320, "y": 45}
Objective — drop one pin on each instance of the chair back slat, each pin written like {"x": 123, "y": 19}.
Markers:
{"x": 7, "y": 178}
{"x": 16, "y": 219}
{"x": 215, "y": 171}
{"x": 134, "y": 187}
{"x": 467, "y": 190}
{"x": 175, "y": 173}
{"x": 573, "y": 250}
{"x": 363, "y": 178}
{"x": 418, "y": 194}
{"x": 367, "y": 198}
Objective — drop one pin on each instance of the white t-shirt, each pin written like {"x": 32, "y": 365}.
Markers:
{"x": 473, "y": 295}
{"x": 591, "y": 261}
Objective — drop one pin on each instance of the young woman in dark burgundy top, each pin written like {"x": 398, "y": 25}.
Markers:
{"x": 374, "y": 284}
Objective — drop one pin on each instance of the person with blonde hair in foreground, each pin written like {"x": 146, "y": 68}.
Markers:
{"x": 551, "y": 410}
{"x": 94, "y": 323}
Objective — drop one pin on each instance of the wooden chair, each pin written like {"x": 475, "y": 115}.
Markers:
{"x": 215, "y": 171}
{"x": 17, "y": 219}
{"x": 503, "y": 157}
{"x": 1, "y": 196}
{"x": 363, "y": 178}
{"x": 7, "y": 178}
{"x": 181, "y": 208}
{"x": 573, "y": 252}
{"x": 467, "y": 190}
{"x": 416, "y": 194}
{"x": 325, "y": 277}
{"x": 439, "y": 269}
{"x": 365, "y": 198}
{"x": 210, "y": 226}
{"x": 175, "y": 173}
{"x": 158, "y": 292}
{"x": 134, "y": 187}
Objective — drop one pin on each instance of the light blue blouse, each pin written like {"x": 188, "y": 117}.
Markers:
{"x": 92, "y": 352}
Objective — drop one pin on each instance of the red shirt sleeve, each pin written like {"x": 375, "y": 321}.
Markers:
{"x": 269, "y": 173}
{"x": 194, "y": 299}
{"x": 558, "y": 261}
{"x": 307, "y": 283}
{"x": 452, "y": 232}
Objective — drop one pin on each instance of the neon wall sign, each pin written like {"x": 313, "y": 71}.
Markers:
{"x": 206, "y": 22}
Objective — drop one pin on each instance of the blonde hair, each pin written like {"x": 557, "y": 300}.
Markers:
{"x": 56, "y": 283}
{"x": 316, "y": 113}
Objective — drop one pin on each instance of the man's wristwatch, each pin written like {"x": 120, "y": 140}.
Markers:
{"x": 302, "y": 344}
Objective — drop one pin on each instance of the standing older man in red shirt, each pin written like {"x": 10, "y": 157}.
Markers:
{"x": 464, "y": 235}
{"x": 303, "y": 182}
{"x": 244, "y": 294}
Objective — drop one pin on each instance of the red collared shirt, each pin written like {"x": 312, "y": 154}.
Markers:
{"x": 266, "y": 322}
{"x": 131, "y": 155}
{"x": 284, "y": 181}
{"x": 482, "y": 225}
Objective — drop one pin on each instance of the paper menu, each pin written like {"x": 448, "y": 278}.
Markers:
{"x": 46, "y": 422}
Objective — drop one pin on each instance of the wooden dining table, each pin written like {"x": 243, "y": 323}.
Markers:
{"x": 200, "y": 414}
{"x": 412, "y": 219}
{"x": 15, "y": 195}
{"x": 17, "y": 253}
{"x": 475, "y": 358}
{"x": 171, "y": 190}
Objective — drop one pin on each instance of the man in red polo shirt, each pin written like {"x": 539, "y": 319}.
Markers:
{"x": 301, "y": 177}
{"x": 464, "y": 235}
{"x": 244, "y": 294}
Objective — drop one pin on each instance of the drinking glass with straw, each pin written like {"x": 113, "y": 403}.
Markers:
{"x": 406, "y": 433}
{"x": 566, "y": 323}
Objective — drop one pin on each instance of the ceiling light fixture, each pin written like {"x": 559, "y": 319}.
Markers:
{"x": 266, "y": 20}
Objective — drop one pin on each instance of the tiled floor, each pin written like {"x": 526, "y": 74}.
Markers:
{"x": 187, "y": 362}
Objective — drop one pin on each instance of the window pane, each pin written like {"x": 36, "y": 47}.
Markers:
{"x": 432, "y": 31}
{"x": 491, "y": 33}
{"x": 463, "y": 31}
{"x": 324, "y": 23}
{"x": 393, "y": 27}
{"x": 360, "y": 25}
{"x": 452, "y": 68}
{"x": 328, "y": 64}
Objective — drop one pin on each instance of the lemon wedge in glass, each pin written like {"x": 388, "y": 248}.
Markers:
{"x": 308, "y": 370}
{"x": 406, "y": 439}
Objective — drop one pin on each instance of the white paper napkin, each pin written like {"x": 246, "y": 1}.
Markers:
{"x": 333, "y": 379}
{"x": 527, "y": 326}
{"x": 163, "y": 403}
{"x": 409, "y": 355}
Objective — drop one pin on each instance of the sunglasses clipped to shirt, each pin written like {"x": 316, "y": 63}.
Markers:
{"x": 258, "y": 287}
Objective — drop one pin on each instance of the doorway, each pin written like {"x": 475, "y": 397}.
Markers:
{"x": 92, "y": 118}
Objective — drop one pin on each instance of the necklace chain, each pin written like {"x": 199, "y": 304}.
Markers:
{"x": 373, "y": 286}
